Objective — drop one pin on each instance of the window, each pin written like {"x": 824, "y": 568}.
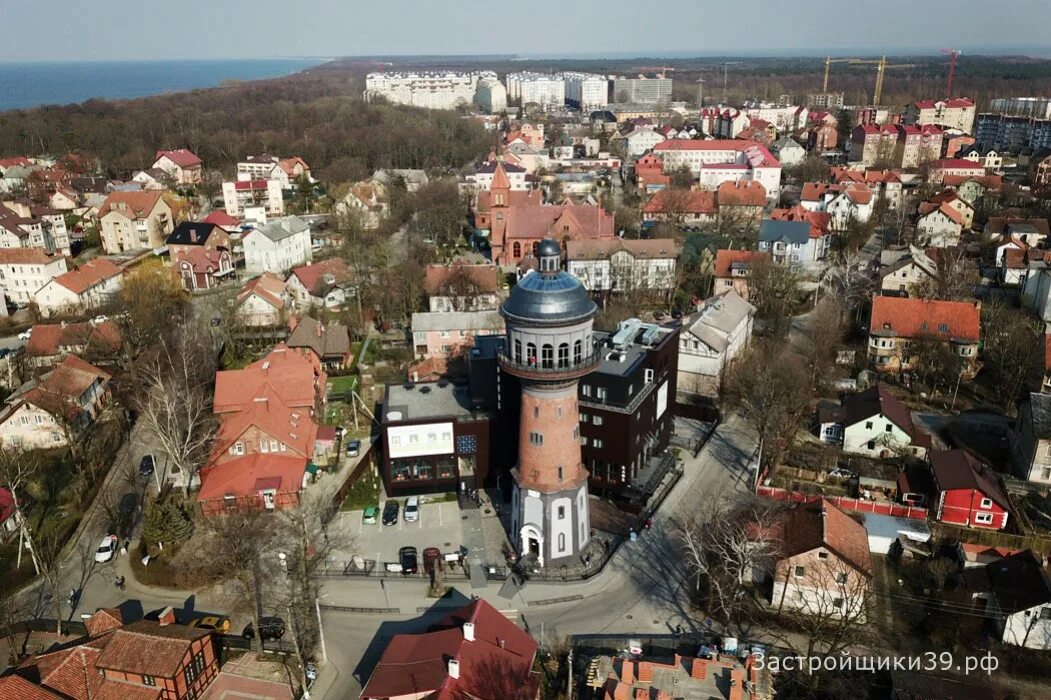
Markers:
{"x": 547, "y": 356}
{"x": 943, "y": 328}
{"x": 561, "y": 541}
{"x": 585, "y": 389}
{"x": 800, "y": 571}
{"x": 841, "y": 578}
{"x": 600, "y": 393}
{"x": 1045, "y": 613}
{"x": 239, "y": 448}
{"x": 561, "y": 509}
{"x": 983, "y": 518}
{"x": 536, "y": 411}
{"x": 596, "y": 442}
{"x": 822, "y": 555}
{"x": 583, "y": 418}
{"x": 148, "y": 680}
{"x": 263, "y": 446}
{"x": 577, "y": 352}
{"x": 530, "y": 354}
{"x": 871, "y": 445}
{"x": 563, "y": 355}
{"x": 560, "y": 473}
{"x": 597, "y": 419}
{"x": 868, "y": 425}
{"x": 986, "y": 503}
{"x": 536, "y": 439}
{"x": 837, "y": 603}
{"x": 890, "y": 428}
{"x": 518, "y": 351}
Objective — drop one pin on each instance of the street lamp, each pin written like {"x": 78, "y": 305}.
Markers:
{"x": 320, "y": 629}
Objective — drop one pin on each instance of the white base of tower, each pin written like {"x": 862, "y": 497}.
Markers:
{"x": 553, "y": 526}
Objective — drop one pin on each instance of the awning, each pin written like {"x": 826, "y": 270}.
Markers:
{"x": 312, "y": 468}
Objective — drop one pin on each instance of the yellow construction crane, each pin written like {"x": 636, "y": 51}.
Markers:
{"x": 881, "y": 67}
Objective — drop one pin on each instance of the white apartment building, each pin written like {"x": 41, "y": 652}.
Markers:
{"x": 725, "y": 160}
{"x": 241, "y": 194}
{"x": 428, "y": 89}
{"x": 710, "y": 340}
{"x": 277, "y": 246}
{"x": 956, "y": 113}
{"x": 642, "y": 90}
{"x": 784, "y": 117}
{"x": 491, "y": 96}
{"x": 548, "y": 91}
{"x": 586, "y": 90}
{"x": 89, "y": 286}
{"x": 641, "y": 140}
{"x": 23, "y": 271}
{"x": 268, "y": 167}
{"x": 623, "y": 265}
{"x": 1036, "y": 107}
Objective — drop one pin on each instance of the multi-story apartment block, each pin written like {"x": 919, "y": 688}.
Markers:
{"x": 621, "y": 265}
{"x": 727, "y": 159}
{"x": 784, "y": 117}
{"x": 268, "y": 167}
{"x": 134, "y": 221}
{"x": 898, "y": 145}
{"x": 586, "y": 91}
{"x": 277, "y": 246}
{"x": 1012, "y": 133}
{"x": 247, "y": 194}
{"x": 825, "y": 100}
{"x": 1035, "y": 107}
{"x": 955, "y": 113}
{"x": 491, "y": 95}
{"x": 642, "y": 90}
{"x": 432, "y": 90}
{"x": 547, "y": 91}
{"x": 23, "y": 271}
{"x": 26, "y": 226}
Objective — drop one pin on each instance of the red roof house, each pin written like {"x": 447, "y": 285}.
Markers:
{"x": 967, "y": 491}
{"x": 475, "y": 652}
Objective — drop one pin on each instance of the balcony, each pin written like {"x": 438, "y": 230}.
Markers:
{"x": 550, "y": 370}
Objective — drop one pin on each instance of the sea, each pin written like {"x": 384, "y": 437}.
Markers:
{"x": 25, "y": 85}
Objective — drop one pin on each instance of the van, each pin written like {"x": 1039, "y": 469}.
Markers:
{"x": 412, "y": 509}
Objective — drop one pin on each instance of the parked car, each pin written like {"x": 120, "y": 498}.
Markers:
{"x": 390, "y": 512}
{"x": 24, "y": 335}
{"x": 353, "y": 448}
{"x": 269, "y": 628}
{"x": 221, "y": 625}
{"x": 129, "y": 503}
{"x": 407, "y": 559}
{"x": 101, "y": 318}
{"x": 432, "y": 557}
{"x": 368, "y": 516}
{"x": 107, "y": 548}
{"x": 146, "y": 466}
{"x": 412, "y": 509}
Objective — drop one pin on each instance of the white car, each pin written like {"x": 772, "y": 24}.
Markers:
{"x": 412, "y": 509}
{"x": 106, "y": 549}
{"x": 101, "y": 318}
{"x": 24, "y": 335}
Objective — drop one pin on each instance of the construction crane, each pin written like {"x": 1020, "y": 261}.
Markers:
{"x": 881, "y": 67}
{"x": 953, "y": 55}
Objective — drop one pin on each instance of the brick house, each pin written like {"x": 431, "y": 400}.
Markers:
{"x": 898, "y": 322}
{"x": 823, "y": 565}
{"x": 50, "y": 343}
{"x": 732, "y": 268}
{"x": 686, "y": 207}
{"x": 967, "y": 492}
{"x": 142, "y": 660}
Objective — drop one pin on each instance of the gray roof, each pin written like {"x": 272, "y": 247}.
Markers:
{"x": 548, "y": 298}
{"x": 786, "y": 141}
{"x": 329, "y": 341}
{"x": 282, "y": 228}
{"x": 771, "y": 231}
{"x": 713, "y": 324}
{"x": 457, "y": 321}
{"x": 426, "y": 400}
{"x": 1040, "y": 405}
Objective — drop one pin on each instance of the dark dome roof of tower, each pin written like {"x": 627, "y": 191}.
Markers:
{"x": 548, "y": 299}
{"x": 548, "y": 247}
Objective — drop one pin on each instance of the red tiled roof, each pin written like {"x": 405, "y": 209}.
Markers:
{"x": 957, "y": 469}
{"x": 311, "y": 275}
{"x": 819, "y": 523}
{"x": 537, "y": 221}
{"x": 725, "y": 258}
{"x": 744, "y": 193}
{"x": 484, "y": 278}
{"x": 815, "y": 191}
{"x": 954, "y": 216}
{"x": 88, "y": 275}
{"x": 238, "y": 477}
{"x": 70, "y": 378}
{"x": 858, "y": 193}
{"x": 268, "y": 287}
{"x": 500, "y": 180}
{"x": 201, "y": 259}
{"x": 418, "y": 663}
{"x": 289, "y": 376}
{"x": 999, "y": 224}
{"x": 182, "y": 157}
{"x": 138, "y": 205}
{"x": 18, "y": 688}
{"x": 990, "y": 182}
{"x": 250, "y": 184}
{"x": 48, "y": 338}
{"x": 17, "y": 160}
{"x": 956, "y": 164}
{"x": 147, "y": 648}
{"x": 219, "y": 217}
{"x": 916, "y": 318}
{"x": 26, "y": 256}
{"x": 818, "y": 220}
{"x": 687, "y": 201}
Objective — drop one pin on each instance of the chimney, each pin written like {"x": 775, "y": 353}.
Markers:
{"x": 468, "y": 631}
{"x": 454, "y": 668}
{"x": 167, "y": 617}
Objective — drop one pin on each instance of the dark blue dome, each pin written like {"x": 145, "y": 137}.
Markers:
{"x": 548, "y": 299}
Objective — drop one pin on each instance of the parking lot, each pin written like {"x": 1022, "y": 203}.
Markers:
{"x": 438, "y": 526}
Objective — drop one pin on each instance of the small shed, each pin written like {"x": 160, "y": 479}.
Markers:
{"x": 883, "y": 531}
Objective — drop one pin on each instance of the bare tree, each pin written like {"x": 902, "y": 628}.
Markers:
{"x": 150, "y": 305}
{"x": 1013, "y": 348}
{"x": 774, "y": 291}
{"x": 175, "y": 403}
{"x": 851, "y": 280}
{"x": 726, "y": 545}
{"x": 17, "y": 467}
{"x": 823, "y": 332}
{"x": 955, "y": 278}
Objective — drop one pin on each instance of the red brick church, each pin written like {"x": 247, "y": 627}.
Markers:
{"x": 517, "y": 220}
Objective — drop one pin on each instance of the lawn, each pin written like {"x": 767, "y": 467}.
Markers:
{"x": 337, "y": 413}
{"x": 364, "y": 492}
{"x": 341, "y": 385}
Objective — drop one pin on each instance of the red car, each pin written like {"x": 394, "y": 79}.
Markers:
{"x": 432, "y": 557}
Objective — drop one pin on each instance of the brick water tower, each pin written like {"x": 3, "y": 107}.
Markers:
{"x": 549, "y": 348}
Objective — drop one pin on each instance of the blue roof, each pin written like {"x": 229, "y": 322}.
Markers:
{"x": 547, "y": 298}
{"x": 771, "y": 231}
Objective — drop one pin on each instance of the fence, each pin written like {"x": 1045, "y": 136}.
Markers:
{"x": 992, "y": 538}
{"x": 370, "y": 568}
{"x": 359, "y": 469}
{"x": 855, "y": 504}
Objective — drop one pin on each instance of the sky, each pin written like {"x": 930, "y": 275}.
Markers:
{"x": 84, "y": 30}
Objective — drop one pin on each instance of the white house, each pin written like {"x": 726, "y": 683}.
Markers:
{"x": 788, "y": 151}
{"x": 181, "y": 165}
{"x": 247, "y": 194}
{"x": 1015, "y": 592}
{"x": 268, "y": 167}
{"x": 710, "y": 340}
{"x": 277, "y": 246}
{"x": 854, "y": 203}
{"x": 23, "y": 271}
{"x": 878, "y": 425}
{"x": 482, "y": 178}
{"x": 264, "y": 301}
{"x": 791, "y": 242}
{"x": 89, "y": 286}
{"x": 941, "y": 227}
{"x": 641, "y": 140}
{"x": 620, "y": 265}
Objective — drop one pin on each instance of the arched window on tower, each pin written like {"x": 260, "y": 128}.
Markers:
{"x": 561, "y": 542}
{"x": 578, "y": 350}
{"x": 517, "y": 249}
{"x": 536, "y": 247}
{"x": 547, "y": 356}
{"x": 563, "y": 355}
{"x": 517, "y": 357}
{"x": 530, "y": 354}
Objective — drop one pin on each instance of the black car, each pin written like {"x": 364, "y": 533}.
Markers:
{"x": 390, "y": 512}
{"x": 407, "y": 559}
{"x": 269, "y": 628}
{"x": 146, "y": 467}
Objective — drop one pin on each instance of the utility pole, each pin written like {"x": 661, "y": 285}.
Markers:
{"x": 320, "y": 630}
